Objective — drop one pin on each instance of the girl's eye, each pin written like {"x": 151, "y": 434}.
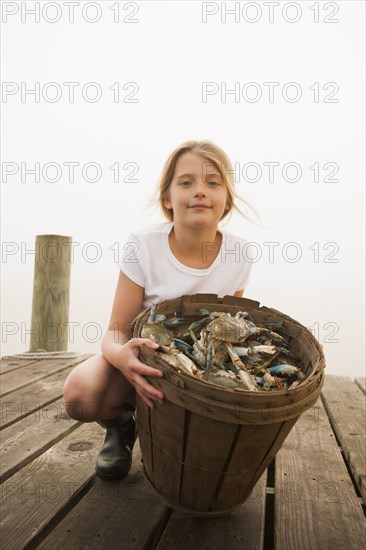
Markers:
{"x": 214, "y": 183}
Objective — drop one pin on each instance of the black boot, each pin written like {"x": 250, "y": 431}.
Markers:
{"x": 115, "y": 457}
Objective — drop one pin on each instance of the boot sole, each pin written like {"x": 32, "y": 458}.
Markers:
{"x": 110, "y": 476}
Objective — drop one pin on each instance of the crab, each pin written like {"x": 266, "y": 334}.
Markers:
{"x": 218, "y": 337}
{"x": 157, "y": 328}
{"x": 178, "y": 360}
{"x": 230, "y": 351}
{"x": 224, "y": 378}
{"x": 229, "y": 329}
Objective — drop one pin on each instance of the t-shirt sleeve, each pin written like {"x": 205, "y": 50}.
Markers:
{"x": 131, "y": 260}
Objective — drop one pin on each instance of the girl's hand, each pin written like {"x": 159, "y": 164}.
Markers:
{"x": 135, "y": 371}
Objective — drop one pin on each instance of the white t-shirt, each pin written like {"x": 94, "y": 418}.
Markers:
{"x": 148, "y": 261}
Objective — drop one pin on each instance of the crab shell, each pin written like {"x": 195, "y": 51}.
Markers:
{"x": 229, "y": 329}
{"x": 180, "y": 362}
{"x": 221, "y": 355}
{"x": 157, "y": 333}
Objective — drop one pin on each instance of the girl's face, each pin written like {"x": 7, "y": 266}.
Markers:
{"x": 197, "y": 194}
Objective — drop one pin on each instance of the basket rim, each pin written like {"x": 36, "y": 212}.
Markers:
{"x": 183, "y": 380}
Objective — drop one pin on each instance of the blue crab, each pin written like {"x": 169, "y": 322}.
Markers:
{"x": 158, "y": 329}
{"x": 220, "y": 335}
{"x": 179, "y": 360}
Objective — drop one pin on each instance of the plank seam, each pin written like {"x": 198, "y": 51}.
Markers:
{"x": 156, "y": 533}
{"x": 269, "y": 507}
{"x": 17, "y": 367}
{"x": 28, "y": 413}
{"x": 360, "y": 386}
{"x": 14, "y": 469}
{"x": 33, "y": 380}
{"x": 40, "y": 378}
{"x": 61, "y": 514}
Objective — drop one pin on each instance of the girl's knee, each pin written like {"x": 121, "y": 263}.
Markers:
{"x": 82, "y": 396}
{"x": 80, "y": 407}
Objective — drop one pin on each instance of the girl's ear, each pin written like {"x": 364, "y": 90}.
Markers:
{"x": 167, "y": 203}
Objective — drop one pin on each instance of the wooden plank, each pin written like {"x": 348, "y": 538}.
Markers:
{"x": 242, "y": 529}
{"x": 345, "y": 404}
{"x": 32, "y": 497}
{"x": 122, "y": 514}
{"x": 8, "y": 365}
{"x": 29, "y": 399}
{"x": 316, "y": 505}
{"x": 361, "y": 383}
{"x": 25, "y": 440}
{"x": 12, "y": 381}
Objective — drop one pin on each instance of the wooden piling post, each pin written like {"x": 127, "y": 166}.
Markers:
{"x": 51, "y": 293}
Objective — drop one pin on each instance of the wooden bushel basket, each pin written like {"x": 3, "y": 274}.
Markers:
{"x": 205, "y": 448}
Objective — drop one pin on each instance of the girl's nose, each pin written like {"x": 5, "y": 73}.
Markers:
{"x": 200, "y": 190}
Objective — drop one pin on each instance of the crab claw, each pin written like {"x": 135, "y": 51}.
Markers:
{"x": 160, "y": 318}
{"x": 175, "y": 322}
{"x": 180, "y": 344}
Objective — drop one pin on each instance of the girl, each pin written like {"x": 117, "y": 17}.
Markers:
{"x": 186, "y": 255}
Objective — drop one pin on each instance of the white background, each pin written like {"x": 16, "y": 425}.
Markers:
{"x": 169, "y": 53}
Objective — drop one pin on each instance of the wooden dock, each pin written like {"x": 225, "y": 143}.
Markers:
{"x": 312, "y": 496}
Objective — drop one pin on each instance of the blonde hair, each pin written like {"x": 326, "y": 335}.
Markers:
{"x": 215, "y": 155}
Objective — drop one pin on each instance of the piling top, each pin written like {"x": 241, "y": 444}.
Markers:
{"x": 53, "y": 237}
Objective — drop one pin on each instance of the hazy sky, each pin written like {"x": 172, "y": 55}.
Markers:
{"x": 280, "y": 89}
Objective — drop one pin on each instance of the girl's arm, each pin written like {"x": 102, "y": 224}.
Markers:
{"x": 119, "y": 350}
{"x": 239, "y": 293}
{"x": 127, "y": 305}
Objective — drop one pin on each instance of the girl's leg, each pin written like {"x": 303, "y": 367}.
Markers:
{"x": 95, "y": 390}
